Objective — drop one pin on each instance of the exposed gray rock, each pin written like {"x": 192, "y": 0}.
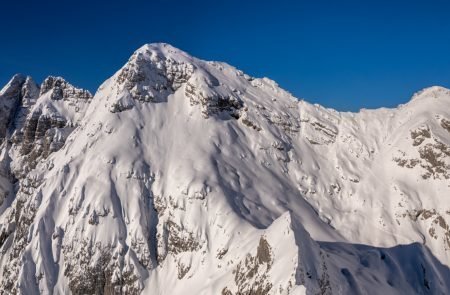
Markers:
{"x": 10, "y": 98}
{"x": 60, "y": 89}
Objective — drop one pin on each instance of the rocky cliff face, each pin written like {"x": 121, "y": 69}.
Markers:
{"x": 40, "y": 118}
{"x": 182, "y": 174}
{"x": 38, "y": 124}
{"x": 12, "y": 95}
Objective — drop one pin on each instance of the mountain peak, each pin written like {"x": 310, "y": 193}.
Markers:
{"x": 432, "y": 92}
{"x": 20, "y": 87}
{"x": 150, "y": 75}
{"x": 137, "y": 191}
{"x": 155, "y": 53}
{"x": 61, "y": 89}
{"x": 158, "y": 70}
{"x": 163, "y": 49}
{"x": 14, "y": 85}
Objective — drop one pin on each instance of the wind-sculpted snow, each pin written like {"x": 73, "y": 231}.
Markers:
{"x": 181, "y": 174}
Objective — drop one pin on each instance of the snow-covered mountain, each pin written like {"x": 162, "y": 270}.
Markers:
{"x": 182, "y": 176}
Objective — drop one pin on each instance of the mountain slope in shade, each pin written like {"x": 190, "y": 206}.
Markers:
{"x": 181, "y": 174}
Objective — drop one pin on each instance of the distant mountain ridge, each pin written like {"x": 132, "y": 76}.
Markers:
{"x": 182, "y": 174}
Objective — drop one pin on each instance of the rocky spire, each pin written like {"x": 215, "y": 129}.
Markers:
{"x": 61, "y": 89}
{"x": 10, "y": 99}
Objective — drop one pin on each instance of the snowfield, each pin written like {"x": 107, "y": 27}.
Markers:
{"x": 184, "y": 176}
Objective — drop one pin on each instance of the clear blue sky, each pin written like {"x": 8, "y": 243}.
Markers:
{"x": 342, "y": 54}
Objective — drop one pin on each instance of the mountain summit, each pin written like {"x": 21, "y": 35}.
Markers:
{"x": 182, "y": 174}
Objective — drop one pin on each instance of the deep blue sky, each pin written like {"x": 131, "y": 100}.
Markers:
{"x": 342, "y": 54}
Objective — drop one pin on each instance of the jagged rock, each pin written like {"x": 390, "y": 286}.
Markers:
{"x": 251, "y": 274}
{"x": 10, "y": 97}
{"x": 60, "y": 89}
{"x": 212, "y": 102}
{"x": 445, "y": 124}
{"x": 149, "y": 76}
{"x": 420, "y": 135}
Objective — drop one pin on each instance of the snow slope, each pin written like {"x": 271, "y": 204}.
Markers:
{"x": 182, "y": 174}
